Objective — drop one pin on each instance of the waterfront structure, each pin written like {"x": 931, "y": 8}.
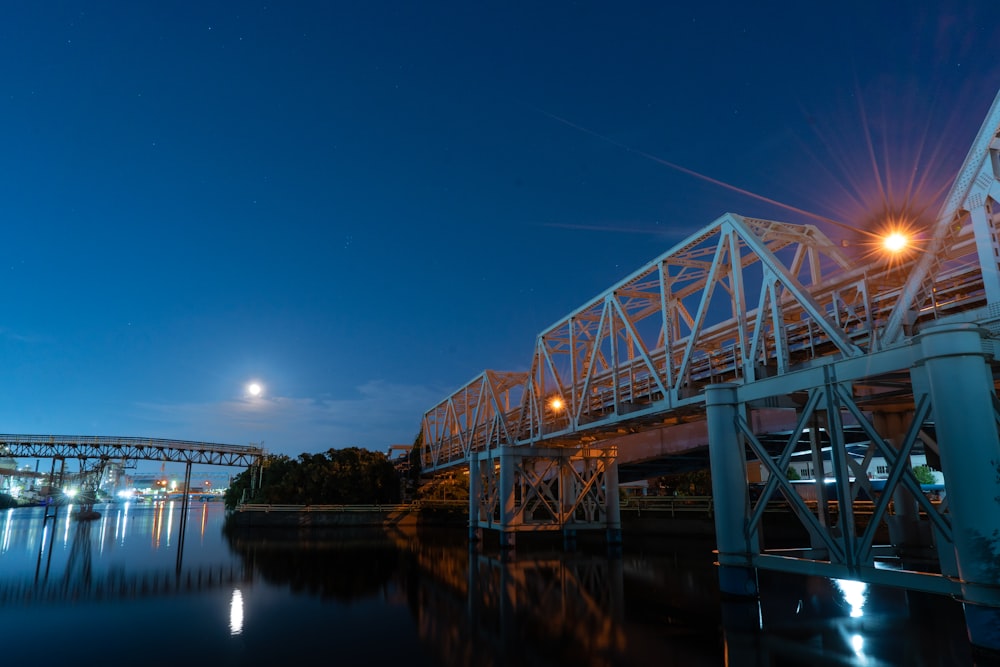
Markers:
{"x": 750, "y": 328}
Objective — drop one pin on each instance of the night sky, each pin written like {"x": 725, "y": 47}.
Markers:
{"x": 362, "y": 205}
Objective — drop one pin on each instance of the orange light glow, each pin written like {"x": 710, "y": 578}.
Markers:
{"x": 556, "y": 404}
{"x": 895, "y": 242}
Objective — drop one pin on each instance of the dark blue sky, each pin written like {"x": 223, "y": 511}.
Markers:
{"x": 362, "y": 205}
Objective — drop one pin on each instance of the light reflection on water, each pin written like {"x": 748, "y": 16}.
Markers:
{"x": 425, "y": 599}
{"x": 236, "y": 613}
{"x": 855, "y": 594}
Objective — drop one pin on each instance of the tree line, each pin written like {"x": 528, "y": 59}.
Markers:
{"x": 351, "y": 476}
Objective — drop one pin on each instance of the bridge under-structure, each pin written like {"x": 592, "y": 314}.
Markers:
{"x": 759, "y": 339}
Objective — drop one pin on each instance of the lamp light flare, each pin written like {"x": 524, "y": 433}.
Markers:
{"x": 895, "y": 242}
{"x": 556, "y": 404}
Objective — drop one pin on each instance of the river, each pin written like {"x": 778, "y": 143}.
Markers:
{"x": 113, "y": 591}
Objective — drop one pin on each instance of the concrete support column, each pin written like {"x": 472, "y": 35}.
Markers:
{"x": 475, "y": 497}
{"x": 612, "y": 503}
{"x": 730, "y": 493}
{"x": 567, "y": 499}
{"x": 961, "y": 390}
{"x": 507, "y": 499}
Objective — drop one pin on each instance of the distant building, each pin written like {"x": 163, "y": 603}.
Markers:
{"x": 399, "y": 456}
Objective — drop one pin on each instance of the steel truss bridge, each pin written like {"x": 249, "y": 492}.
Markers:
{"x": 755, "y": 339}
{"x": 111, "y": 448}
{"x": 104, "y": 449}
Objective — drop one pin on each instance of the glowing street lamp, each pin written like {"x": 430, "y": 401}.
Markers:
{"x": 556, "y": 404}
{"x": 895, "y": 242}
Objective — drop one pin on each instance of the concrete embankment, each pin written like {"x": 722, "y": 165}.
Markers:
{"x": 331, "y": 516}
{"x": 654, "y": 516}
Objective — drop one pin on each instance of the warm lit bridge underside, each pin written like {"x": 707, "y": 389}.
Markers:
{"x": 112, "y": 448}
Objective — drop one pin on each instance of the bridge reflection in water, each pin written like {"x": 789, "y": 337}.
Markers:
{"x": 73, "y": 579}
{"x": 662, "y": 606}
{"x": 419, "y": 596}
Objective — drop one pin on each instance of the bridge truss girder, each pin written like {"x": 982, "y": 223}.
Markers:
{"x": 479, "y": 416}
{"x": 741, "y": 300}
{"x": 609, "y": 359}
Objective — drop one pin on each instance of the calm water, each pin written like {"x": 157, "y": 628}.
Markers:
{"x": 109, "y": 591}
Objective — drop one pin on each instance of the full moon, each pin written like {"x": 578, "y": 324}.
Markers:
{"x": 254, "y": 389}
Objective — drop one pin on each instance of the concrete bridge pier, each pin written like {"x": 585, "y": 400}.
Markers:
{"x": 475, "y": 498}
{"x": 507, "y": 500}
{"x": 612, "y": 505}
{"x": 963, "y": 403}
{"x": 737, "y": 576}
{"x": 566, "y": 484}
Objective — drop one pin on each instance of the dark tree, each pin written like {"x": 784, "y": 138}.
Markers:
{"x": 337, "y": 477}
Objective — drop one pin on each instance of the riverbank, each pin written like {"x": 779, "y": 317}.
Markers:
{"x": 331, "y": 516}
{"x": 659, "y": 516}
{"x": 690, "y": 517}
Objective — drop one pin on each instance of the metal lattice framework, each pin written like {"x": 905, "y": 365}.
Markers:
{"x": 149, "y": 449}
{"x": 479, "y": 416}
{"x": 843, "y": 540}
{"x": 741, "y": 300}
{"x": 552, "y": 490}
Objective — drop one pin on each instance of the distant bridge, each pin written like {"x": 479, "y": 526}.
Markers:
{"x": 755, "y": 339}
{"x": 148, "y": 449}
{"x": 103, "y": 449}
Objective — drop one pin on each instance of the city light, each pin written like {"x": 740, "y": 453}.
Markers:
{"x": 556, "y": 404}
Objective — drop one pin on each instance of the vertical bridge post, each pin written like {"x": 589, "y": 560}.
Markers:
{"x": 612, "y": 503}
{"x": 729, "y": 488}
{"x": 962, "y": 397}
{"x": 475, "y": 498}
{"x": 507, "y": 499}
